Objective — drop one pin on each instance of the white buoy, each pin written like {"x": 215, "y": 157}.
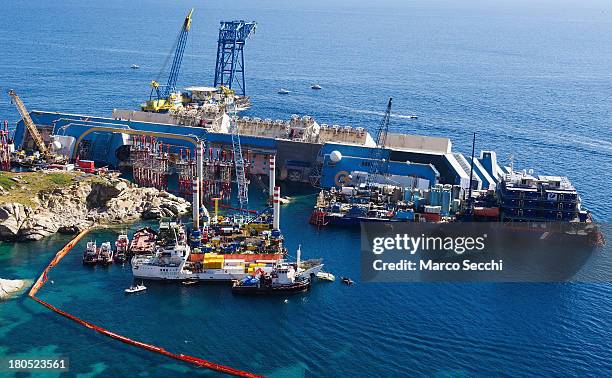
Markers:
{"x": 276, "y": 209}
{"x": 335, "y": 156}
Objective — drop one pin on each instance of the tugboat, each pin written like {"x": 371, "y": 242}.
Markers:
{"x": 121, "y": 248}
{"x": 90, "y": 256}
{"x": 105, "y": 255}
{"x": 283, "y": 279}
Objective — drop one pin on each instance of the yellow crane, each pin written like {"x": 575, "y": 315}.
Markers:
{"x": 27, "y": 120}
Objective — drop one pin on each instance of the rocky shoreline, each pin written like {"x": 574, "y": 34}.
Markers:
{"x": 10, "y": 287}
{"x": 86, "y": 202}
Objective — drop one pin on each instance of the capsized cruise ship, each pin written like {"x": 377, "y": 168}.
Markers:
{"x": 306, "y": 151}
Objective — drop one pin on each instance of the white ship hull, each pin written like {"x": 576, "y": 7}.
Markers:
{"x": 168, "y": 273}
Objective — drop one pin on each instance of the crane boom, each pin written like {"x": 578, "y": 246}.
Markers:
{"x": 378, "y": 165}
{"x": 27, "y": 120}
{"x": 163, "y": 93}
{"x": 178, "y": 56}
{"x": 241, "y": 180}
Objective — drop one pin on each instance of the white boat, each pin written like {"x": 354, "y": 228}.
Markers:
{"x": 315, "y": 86}
{"x": 135, "y": 289}
{"x": 121, "y": 247}
{"x": 326, "y": 276}
{"x": 283, "y": 91}
{"x": 135, "y": 66}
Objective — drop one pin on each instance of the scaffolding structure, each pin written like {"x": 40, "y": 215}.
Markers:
{"x": 5, "y": 152}
{"x": 150, "y": 162}
{"x": 217, "y": 174}
{"x": 153, "y": 162}
{"x": 185, "y": 167}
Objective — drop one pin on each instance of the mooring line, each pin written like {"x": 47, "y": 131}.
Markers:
{"x": 42, "y": 279}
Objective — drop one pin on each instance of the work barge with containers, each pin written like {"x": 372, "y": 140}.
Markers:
{"x": 194, "y": 142}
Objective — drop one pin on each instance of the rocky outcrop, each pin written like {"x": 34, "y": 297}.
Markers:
{"x": 10, "y": 287}
{"x": 84, "y": 204}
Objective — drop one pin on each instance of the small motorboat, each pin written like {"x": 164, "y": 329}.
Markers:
{"x": 192, "y": 282}
{"x": 135, "y": 289}
{"x": 347, "y": 281}
{"x": 134, "y": 66}
{"x": 283, "y": 91}
{"x": 324, "y": 276}
{"x": 316, "y": 87}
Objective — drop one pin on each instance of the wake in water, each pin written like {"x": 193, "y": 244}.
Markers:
{"x": 376, "y": 113}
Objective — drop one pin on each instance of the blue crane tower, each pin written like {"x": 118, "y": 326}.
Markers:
{"x": 229, "y": 69}
{"x": 378, "y": 160}
{"x": 162, "y": 101}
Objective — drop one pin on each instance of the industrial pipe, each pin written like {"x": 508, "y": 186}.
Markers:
{"x": 272, "y": 174}
{"x": 276, "y": 209}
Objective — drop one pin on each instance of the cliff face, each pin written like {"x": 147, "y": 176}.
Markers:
{"x": 84, "y": 203}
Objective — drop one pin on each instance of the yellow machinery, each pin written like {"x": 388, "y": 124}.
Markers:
{"x": 164, "y": 97}
{"x": 27, "y": 120}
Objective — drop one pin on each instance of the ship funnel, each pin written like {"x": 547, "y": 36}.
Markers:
{"x": 276, "y": 208}
{"x": 272, "y": 174}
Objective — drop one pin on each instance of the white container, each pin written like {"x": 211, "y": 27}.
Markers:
{"x": 432, "y": 209}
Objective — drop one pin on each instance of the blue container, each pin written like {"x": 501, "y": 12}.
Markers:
{"x": 446, "y": 201}
{"x": 196, "y": 238}
{"x": 405, "y": 215}
{"x": 434, "y": 197}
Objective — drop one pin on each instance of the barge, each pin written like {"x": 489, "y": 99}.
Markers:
{"x": 227, "y": 259}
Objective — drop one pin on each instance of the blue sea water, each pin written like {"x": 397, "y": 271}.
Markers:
{"x": 533, "y": 80}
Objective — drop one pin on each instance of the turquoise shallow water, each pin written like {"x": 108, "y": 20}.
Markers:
{"x": 532, "y": 81}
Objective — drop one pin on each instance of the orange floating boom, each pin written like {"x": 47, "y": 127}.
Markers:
{"x": 42, "y": 279}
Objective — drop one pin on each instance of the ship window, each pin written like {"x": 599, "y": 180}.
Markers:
{"x": 560, "y": 206}
{"x": 560, "y": 197}
{"x": 559, "y": 215}
{"x": 520, "y": 212}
